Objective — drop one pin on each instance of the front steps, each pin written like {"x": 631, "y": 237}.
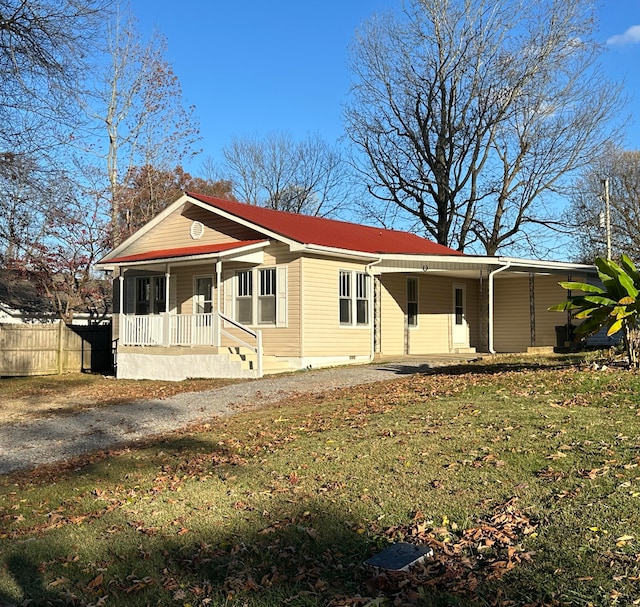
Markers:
{"x": 249, "y": 361}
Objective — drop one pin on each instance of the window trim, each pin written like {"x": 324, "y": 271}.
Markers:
{"x": 416, "y": 301}
{"x": 353, "y": 279}
{"x": 257, "y": 296}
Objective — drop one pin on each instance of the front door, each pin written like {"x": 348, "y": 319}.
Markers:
{"x": 460, "y": 328}
{"x": 202, "y": 332}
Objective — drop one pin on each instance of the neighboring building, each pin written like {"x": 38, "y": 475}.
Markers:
{"x": 213, "y": 288}
{"x": 21, "y": 303}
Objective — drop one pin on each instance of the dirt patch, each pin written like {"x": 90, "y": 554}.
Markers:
{"x": 28, "y": 398}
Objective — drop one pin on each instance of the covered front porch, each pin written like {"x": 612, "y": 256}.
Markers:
{"x": 192, "y": 341}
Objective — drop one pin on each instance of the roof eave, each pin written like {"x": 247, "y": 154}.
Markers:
{"x": 235, "y": 252}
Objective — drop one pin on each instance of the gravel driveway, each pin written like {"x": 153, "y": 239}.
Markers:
{"x": 62, "y": 437}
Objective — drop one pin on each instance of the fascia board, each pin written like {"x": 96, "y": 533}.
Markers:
{"x": 246, "y": 254}
{"x": 549, "y": 266}
{"x": 243, "y": 222}
{"x": 144, "y": 229}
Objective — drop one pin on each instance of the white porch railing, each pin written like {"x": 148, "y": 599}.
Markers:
{"x": 186, "y": 330}
{"x": 256, "y": 335}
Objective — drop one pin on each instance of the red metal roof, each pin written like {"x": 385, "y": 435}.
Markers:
{"x": 183, "y": 251}
{"x": 306, "y": 229}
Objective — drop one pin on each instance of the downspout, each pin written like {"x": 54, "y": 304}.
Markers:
{"x": 372, "y": 308}
{"x": 491, "y": 275}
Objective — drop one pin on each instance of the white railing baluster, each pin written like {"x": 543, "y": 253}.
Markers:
{"x": 186, "y": 330}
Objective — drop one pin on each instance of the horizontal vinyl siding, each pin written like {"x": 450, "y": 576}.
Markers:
{"x": 322, "y": 333}
{"x": 393, "y": 301}
{"x": 277, "y": 341}
{"x": 174, "y": 232}
{"x": 548, "y": 293}
{"x": 435, "y": 307}
{"x": 512, "y": 322}
{"x": 511, "y": 325}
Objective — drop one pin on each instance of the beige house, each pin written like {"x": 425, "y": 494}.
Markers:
{"x": 213, "y": 288}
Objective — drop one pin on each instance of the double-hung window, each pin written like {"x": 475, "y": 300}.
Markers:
{"x": 244, "y": 297}
{"x": 267, "y": 297}
{"x": 353, "y": 294}
{"x": 345, "y": 298}
{"x": 256, "y": 296}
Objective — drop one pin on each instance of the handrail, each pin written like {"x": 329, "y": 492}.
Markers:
{"x": 257, "y": 335}
{"x": 237, "y": 325}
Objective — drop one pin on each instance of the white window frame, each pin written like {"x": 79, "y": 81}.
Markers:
{"x": 262, "y": 288}
{"x": 354, "y": 287}
{"x": 416, "y": 301}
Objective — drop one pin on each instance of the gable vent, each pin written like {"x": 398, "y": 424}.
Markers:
{"x": 197, "y": 230}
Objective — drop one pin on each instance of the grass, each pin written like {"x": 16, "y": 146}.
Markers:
{"x": 524, "y": 477}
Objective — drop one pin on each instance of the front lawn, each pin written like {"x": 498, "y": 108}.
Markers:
{"x": 524, "y": 478}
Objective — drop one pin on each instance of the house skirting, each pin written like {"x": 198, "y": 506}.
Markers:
{"x": 177, "y": 368}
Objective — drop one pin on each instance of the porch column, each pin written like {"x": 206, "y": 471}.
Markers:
{"x": 166, "y": 335}
{"x": 120, "y": 304}
{"x": 167, "y": 277}
{"x": 218, "y": 299}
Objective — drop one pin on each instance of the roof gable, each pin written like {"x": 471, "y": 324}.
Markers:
{"x": 320, "y": 231}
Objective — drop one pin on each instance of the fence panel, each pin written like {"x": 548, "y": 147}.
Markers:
{"x": 46, "y": 349}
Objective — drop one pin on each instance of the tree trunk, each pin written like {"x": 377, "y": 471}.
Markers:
{"x": 632, "y": 342}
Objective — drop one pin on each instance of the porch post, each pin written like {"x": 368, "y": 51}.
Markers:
{"x": 121, "y": 305}
{"x": 167, "y": 277}
{"x": 166, "y": 336}
{"x": 218, "y": 299}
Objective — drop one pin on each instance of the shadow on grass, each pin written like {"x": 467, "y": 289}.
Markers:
{"x": 482, "y": 368}
{"x": 310, "y": 555}
{"x": 301, "y": 549}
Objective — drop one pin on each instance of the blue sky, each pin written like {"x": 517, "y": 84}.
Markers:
{"x": 253, "y": 67}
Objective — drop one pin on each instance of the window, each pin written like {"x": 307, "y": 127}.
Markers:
{"x": 202, "y": 296}
{"x": 159, "y": 294}
{"x": 362, "y": 299}
{"x": 267, "y": 297}
{"x": 412, "y": 302}
{"x": 257, "y": 297}
{"x": 345, "y": 298}
{"x": 459, "y": 306}
{"x": 244, "y": 297}
{"x": 354, "y": 304}
{"x": 143, "y": 295}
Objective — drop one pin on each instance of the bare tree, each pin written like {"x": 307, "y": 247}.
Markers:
{"x": 43, "y": 48}
{"x": 588, "y": 214}
{"x": 147, "y": 190}
{"x": 467, "y": 113}
{"x": 308, "y": 177}
{"x": 137, "y": 111}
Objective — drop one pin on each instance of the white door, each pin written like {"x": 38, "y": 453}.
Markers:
{"x": 459, "y": 326}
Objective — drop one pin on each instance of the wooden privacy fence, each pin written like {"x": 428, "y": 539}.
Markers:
{"x": 47, "y": 349}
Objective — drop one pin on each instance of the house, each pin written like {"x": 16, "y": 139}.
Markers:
{"x": 214, "y": 288}
{"x": 22, "y": 303}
